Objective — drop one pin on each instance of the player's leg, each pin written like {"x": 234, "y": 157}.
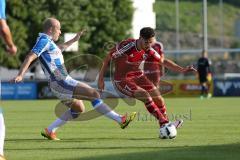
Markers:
{"x": 63, "y": 89}
{"x": 153, "y": 90}
{"x": 2, "y": 158}
{"x": 203, "y": 83}
{"x": 159, "y": 101}
{"x": 151, "y": 82}
{"x": 71, "y": 88}
{"x": 2, "y": 134}
{"x": 84, "y": 91}
{"x": 130, "y": 88}
{"x": 152, "y": 108}
{"x": 209, "y": 95}
{"x": 76, "y": 107}
{"x": 203, "y": 89}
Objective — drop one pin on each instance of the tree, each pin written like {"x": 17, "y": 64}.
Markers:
{"x": 105, "y": 20}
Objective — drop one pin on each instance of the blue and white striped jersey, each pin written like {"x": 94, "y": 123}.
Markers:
{"x": 50, "y": 57}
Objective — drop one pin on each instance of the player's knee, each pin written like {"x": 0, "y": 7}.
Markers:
{"x": 155, "y": 93}
{"x": 95, "y": 94}
{"x": 79, "y": 106}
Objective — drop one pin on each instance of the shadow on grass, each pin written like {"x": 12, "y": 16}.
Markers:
{"x": 207, "y": 152}
{"x": 210, "y": 152}
{"x": 77, "y": 139}
{"x": 24, "y": 140}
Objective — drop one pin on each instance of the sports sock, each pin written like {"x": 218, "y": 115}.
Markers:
{"x": 106, "y": 110}
{"x": 163, "y": 110}
{"x": 154, "y": 110}
{"x": 60, "y": 121}
{"x": 2, "y": 132}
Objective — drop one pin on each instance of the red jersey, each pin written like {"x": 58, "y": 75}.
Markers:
{"x": 127, "y": 59}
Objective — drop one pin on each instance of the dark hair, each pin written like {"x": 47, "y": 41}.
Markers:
{"x": 147, "y": 32}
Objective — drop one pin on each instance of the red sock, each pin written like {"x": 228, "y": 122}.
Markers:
{"x": 163, "y": 110}
{"x": 154, "y": 110}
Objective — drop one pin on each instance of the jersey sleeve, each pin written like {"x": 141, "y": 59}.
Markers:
{"x": 40, "y": 46}
{"x": 2, "y": 9}
{"x": 122, "y": 48}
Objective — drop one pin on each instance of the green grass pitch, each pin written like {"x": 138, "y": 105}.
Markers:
{"x": 211, "y": 131}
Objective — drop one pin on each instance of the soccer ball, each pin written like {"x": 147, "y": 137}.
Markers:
{"x": 168, "y": 131}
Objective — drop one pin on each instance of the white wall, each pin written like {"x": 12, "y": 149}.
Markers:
{"x": 143, "y": 16}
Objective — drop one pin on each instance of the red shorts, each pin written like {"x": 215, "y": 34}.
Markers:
{"x": 129, "y": 86}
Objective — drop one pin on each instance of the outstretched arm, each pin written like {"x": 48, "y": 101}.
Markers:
{"x": 175, "y": 67}
{"x": 28, "y": 60}
{"x": 70, "y": 42}
{"x": 102, "y": 72}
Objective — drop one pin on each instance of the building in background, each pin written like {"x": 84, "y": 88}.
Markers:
{"x": 143, "y": 16}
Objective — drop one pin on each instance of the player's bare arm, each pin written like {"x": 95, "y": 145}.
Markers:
{"x": 70, "y": 42}
{"x": 7, "y": 36}
{"x": 175, "y": 67}
{"x": 28, "y": 60}
{"x": 102, "y": 72}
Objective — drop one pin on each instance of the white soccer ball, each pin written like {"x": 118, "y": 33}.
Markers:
{"x": 168, "y": 131}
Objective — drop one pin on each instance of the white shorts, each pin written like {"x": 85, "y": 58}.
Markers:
{"x": 63, "y": 89}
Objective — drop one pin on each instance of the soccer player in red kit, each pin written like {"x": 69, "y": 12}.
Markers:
{"x": 129, "y": 79}
{"x": 153, "y": 70}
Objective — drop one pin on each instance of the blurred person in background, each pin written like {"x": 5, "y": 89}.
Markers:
{"x": 5, "y": 30}
{"x": 204, "y": 75}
